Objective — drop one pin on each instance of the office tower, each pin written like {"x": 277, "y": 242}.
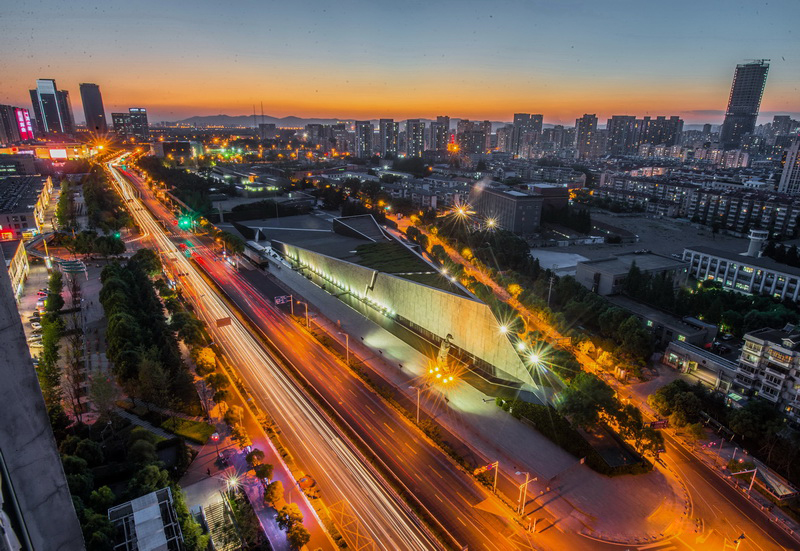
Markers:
{"x": 52, "y": 108}
{"x": 139, "y": 126}
{"x": 121, "y": 123}
{"x": 527, "y": 131}
{"x": 387, "y": 134}
{"x": 364, "y": 132}
{"x": 790, "y": 177}
{"x": 706, "y": 129}
{"x": 36, "y": 510}
{"x": 93, "y": 108}
{"x": 415, "y": 137}
{"x": 440, "y": 133}
{"x": 15, "y": 125}
{"x": 622, "y": 135}
{"x": 660, "y": 131}
{"x": 745, "y": 100}
{"x": 781, "y": 125}
{"x": 586, "y": 137}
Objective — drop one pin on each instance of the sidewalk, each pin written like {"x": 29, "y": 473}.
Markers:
{"x": 623, "y": 510}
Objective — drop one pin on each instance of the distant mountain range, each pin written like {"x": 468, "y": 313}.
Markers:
{"x": 249, "y": 121}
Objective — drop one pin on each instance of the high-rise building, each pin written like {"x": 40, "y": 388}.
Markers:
{"x": 387, "y": 134}
{"x": 52, "y": 108}
{"x": 440, "y": 133}
{"x": 790, "y": 177}
{"x": 527, "y": 130}
{"x": 36, "y": 509}
{"x": 622, "y": 135}
{"x": 415, "y": 137}
{"x": 364, "y": 132}
{"x": 586, "y": 137}
{"x": 139, "y": 127}
{"x": 473, "y": 136}
{"x": 744, "y": 103}
{"x": 93, "y": 108}
{"x": 15, "y": 125}
{"x": 660, "y": 131}
{"x": 121, "y": 123}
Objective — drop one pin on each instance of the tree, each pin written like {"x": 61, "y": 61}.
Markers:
{"x": 273, "y": 493}
{"x": 148, "y": 260}
{"x": 149, "y": 479}
{"x": 264, "y": 471}
{"x": 298, "y": 536}
{"x": 255, "y": 457}
{"x": 103, "y": 393}
{"x": 142, "y": 452}
{"x": 102, "y": 498}
{"x": 153, "y": 384}
{"x": 90, "y": 451}
{"x": 204, "y": 359}
{"x": 288, "y": 516}
{"x": 584, "y": 399}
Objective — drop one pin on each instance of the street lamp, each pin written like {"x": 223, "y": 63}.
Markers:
{"x": 347, "y": 346}
{"x": 534, "y": 358}
{"x": 504, "y": 329}
{"x": 523, "y": 491}
{"x": 418, "y": 389}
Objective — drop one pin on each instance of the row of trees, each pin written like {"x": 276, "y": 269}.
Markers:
{"x": 65, "y": 209}
{"x": 736, "y": 312}
{"x": 140, "y": 343}
{"x": 588, "y": 401}
{"x": 783, "y": 253}
{"x": 759, "y": 427}
{"x": 190, "y": 188}
{"x": 104, "y": 209}
{"x": 111, "y": 453}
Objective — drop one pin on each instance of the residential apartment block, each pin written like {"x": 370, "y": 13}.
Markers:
{"x": 769, "y": 367}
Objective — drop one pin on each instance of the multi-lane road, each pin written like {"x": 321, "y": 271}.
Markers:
{"x": 315, "y": 442}
{"x": 448, "y": 493}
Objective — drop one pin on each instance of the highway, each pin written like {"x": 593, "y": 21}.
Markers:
{"x": 446, "y": 491}
{"x": 315, "y": 443}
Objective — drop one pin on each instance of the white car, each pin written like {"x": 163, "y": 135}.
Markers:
{"x": 36, "y": 325}
{"x": 36, "y": 344}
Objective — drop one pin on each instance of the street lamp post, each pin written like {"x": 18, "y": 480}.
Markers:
{"x": 418, "y": 389}
{"x": 523, "y": 491}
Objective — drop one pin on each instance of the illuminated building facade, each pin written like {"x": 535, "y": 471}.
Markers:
{"x": 425, "y": 305}
{"x": 15, "y": 125}
{"x": 52, "y": 108}
{"x": 364, "y": 132}
{"x": 415, "y": 137}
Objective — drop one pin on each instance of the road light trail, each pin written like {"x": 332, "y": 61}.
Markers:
{"x": 314, "y": 440}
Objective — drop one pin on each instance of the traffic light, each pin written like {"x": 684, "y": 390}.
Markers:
{"x": 117, "y": 235}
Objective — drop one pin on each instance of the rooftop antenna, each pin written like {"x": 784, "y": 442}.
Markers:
{"x": 255, "y": 120}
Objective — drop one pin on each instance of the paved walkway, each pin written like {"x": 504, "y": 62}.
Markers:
{"x": 144, "y": 424}
{"x": 621, "y": 509}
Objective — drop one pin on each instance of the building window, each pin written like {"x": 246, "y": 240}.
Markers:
{"x": 681, "y": 338}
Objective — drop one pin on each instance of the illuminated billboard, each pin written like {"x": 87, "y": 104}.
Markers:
{"x": 58, "y": 154}
{"x": 24, "y": 123}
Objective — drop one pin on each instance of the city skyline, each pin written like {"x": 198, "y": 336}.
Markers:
{"x": 359, "y": 62}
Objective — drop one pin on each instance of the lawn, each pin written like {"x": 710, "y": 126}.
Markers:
{"x": 195, "y": 431}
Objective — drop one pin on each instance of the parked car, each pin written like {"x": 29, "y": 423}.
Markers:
{"x": 36, "y": 344}
{"x": 42, "y": 293}
{"x": 36, "y": 325}
{"x": 727, "y": 337}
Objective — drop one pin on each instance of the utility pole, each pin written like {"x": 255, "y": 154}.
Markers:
{"x": 550, "y": 289}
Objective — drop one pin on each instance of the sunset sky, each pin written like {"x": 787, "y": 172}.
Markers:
{"x": 410, "y": 58}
